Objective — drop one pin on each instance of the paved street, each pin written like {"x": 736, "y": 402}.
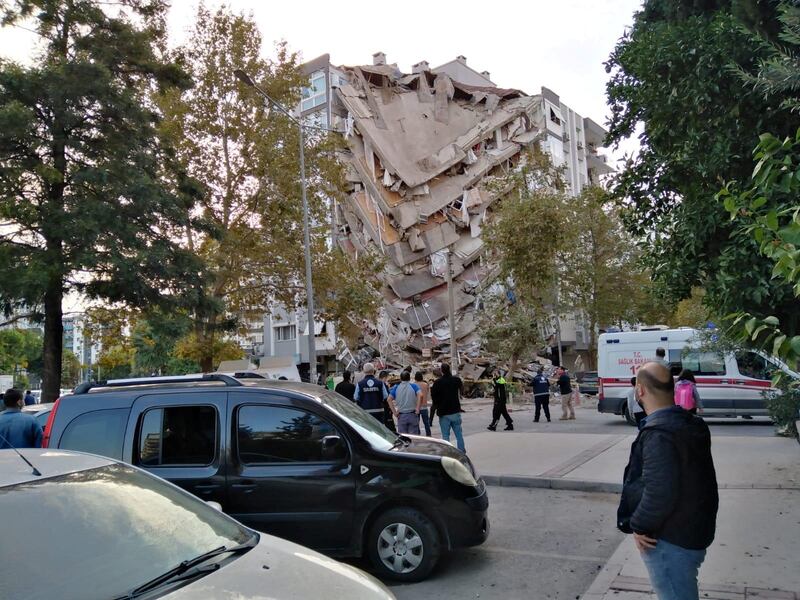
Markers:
{"x": 479, "y": 413}
{"x": 543, "y": 544}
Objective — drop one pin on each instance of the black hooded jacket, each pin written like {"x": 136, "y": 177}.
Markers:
{"x": 670, "y": 486}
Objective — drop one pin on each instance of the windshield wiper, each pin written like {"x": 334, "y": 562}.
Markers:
{"x": 182, "y": 571}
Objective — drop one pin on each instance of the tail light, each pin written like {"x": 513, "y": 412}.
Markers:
{"x": 49, "y": 426}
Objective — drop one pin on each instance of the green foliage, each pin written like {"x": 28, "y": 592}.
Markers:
{"x": 784, "y": 407}
{"x": 675, "y": 77}
{"x": 512, "y": 330}
{"x": 530, "y": 228}
{"x": 692, "y": 311}
{"x": 70, "y": 370}
{"x": 778, "y": 75}
{"x": 91, "y": 197}
{"x": 601, "y": 276}
{"x": 20, "y": 349}
{"x": 247, "y": 159}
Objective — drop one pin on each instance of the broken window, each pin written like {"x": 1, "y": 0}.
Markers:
{"x": 554, "y": 117}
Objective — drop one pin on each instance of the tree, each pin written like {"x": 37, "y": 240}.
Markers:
{"x": 70, "y": 370}
{"x": 601, "y": 277}
{"x": 692, "y": 311}
{"x": 677, "y": 73}
{"x": 19, "y": 349}
{"x": 91, "y": 198}
{"x": 155, "y": 338}
{"x": 246, "y": 157}
{"x": 511, "y": 329}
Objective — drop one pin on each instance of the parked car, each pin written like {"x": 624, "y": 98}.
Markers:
{"x": 109, "y": 530}
{"x": 288, "y": 458}
{"x": 587, "y": 382}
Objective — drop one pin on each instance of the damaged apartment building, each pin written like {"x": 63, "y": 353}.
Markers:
{"x": 424, "y": 149}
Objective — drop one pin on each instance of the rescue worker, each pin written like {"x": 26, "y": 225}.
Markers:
{"x": 371, "y": 393}
{"x": 499, "y": 408}
{"x": 541, "y": 395}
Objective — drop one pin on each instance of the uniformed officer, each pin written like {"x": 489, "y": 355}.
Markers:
{"x": 371, "y": 393}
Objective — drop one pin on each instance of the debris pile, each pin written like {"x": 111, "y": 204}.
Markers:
{"x": 423, "y": 153}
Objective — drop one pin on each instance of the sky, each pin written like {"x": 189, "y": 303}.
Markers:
{"x": 523, "y": 44}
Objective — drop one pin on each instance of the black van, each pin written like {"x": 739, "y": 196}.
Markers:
{"x": 290, "y": 459}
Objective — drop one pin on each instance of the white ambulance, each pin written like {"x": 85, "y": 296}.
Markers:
{"x": 730, "y": 385}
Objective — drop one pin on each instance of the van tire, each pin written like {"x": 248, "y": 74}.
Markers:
{"x": 628, "y": 418}
{"x": 404, "y": 526}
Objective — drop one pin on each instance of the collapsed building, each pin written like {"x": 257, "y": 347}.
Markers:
{"x": 424, "y": 151}
{"x": 425, "y": 154}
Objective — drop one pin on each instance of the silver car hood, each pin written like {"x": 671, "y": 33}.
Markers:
{"x": 279, "y": 570}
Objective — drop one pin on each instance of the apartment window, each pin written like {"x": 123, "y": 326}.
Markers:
{"x": 285, "y": 333}
{"x": 314, "y": 95}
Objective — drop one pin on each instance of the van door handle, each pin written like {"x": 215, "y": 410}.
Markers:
{"x": 207, "y": 487}
{"x": 246, "y": 487}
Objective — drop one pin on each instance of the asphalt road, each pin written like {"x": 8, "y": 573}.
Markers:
{"x": 542, "y": 544}
{"x": 588, "y": 420}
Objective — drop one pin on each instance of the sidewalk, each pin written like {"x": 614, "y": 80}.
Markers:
{"x": 755, "y": 552}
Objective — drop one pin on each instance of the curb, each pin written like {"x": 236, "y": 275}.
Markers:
{"x": 553, "y": 483}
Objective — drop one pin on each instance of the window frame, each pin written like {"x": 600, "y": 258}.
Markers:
{"x": 137, "y": 440}
{"x": 293, "y": 464}
{"x": 292, "y": 327}
{"x": 698, "y": 353}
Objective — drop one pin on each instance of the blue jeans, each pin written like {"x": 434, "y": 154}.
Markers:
{"x": 453, "y": 422}
{"x": 673, "y": 570}
{"x": 426, "y": 421}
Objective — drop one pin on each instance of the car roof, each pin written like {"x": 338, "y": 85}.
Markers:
{"x": 150, "y": 385}
{"x": 49, "y": 462}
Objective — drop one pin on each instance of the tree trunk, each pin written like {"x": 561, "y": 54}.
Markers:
{"x": 53, "y": 340}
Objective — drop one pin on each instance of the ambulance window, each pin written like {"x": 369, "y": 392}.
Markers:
{"x": 754, "y": 366}
{"x": 704, "y": 363}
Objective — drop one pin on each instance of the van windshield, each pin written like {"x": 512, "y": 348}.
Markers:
{"x": 375, "y": 432}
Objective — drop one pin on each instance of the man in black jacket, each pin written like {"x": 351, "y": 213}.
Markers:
{"x": 669, "y": 496}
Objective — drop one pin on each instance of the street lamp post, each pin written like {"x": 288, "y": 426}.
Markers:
{"x": 312, "y": 349}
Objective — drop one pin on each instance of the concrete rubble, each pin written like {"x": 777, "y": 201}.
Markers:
{"x": 423, "y": 153}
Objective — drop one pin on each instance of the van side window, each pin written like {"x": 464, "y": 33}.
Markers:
{"x": 275, "y": 434}
{"x": 99, "y": 432}
{"x": 703, "y": 363}
{"x": 754, "y": 365}
{"x": 177, "y": 436}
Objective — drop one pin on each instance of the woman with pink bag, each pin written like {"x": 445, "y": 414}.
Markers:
{"x": 686, "y": 394}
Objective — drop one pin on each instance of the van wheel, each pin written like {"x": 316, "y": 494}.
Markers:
{"x": 403, "y": 544}
{"x": 628, "y": 418}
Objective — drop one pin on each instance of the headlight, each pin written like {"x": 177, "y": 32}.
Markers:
{"x": 458, "y": 472}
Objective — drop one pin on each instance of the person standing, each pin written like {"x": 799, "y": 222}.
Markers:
{"x": 388, "y": 415}
{"x": 634, "y": 408}
{"x": 669, "y": 495}
{"x": 686, "y": 394}
{"x": 499, "y": 408}
{"x": 405, "y": 401}
{"x": 419, "y": 379}
{"x": 541, "y": 395}
{"x": 329, "y": 382}
{"x": 565, "y": 391}
{"x": 661, "y": 357}
{"x": 29, "y": 398}
{"x": 371, "y": 393}
{"x": 446, "y": 401}
{"x": 18, "y": 430}
{"x": 345, "y": 387}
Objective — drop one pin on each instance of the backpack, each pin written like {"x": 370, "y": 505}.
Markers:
{"x": 684, "y": 396}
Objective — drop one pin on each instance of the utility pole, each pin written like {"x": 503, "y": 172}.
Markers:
{"x": 312, "y": 350}
{"x": 451, "y": 313}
